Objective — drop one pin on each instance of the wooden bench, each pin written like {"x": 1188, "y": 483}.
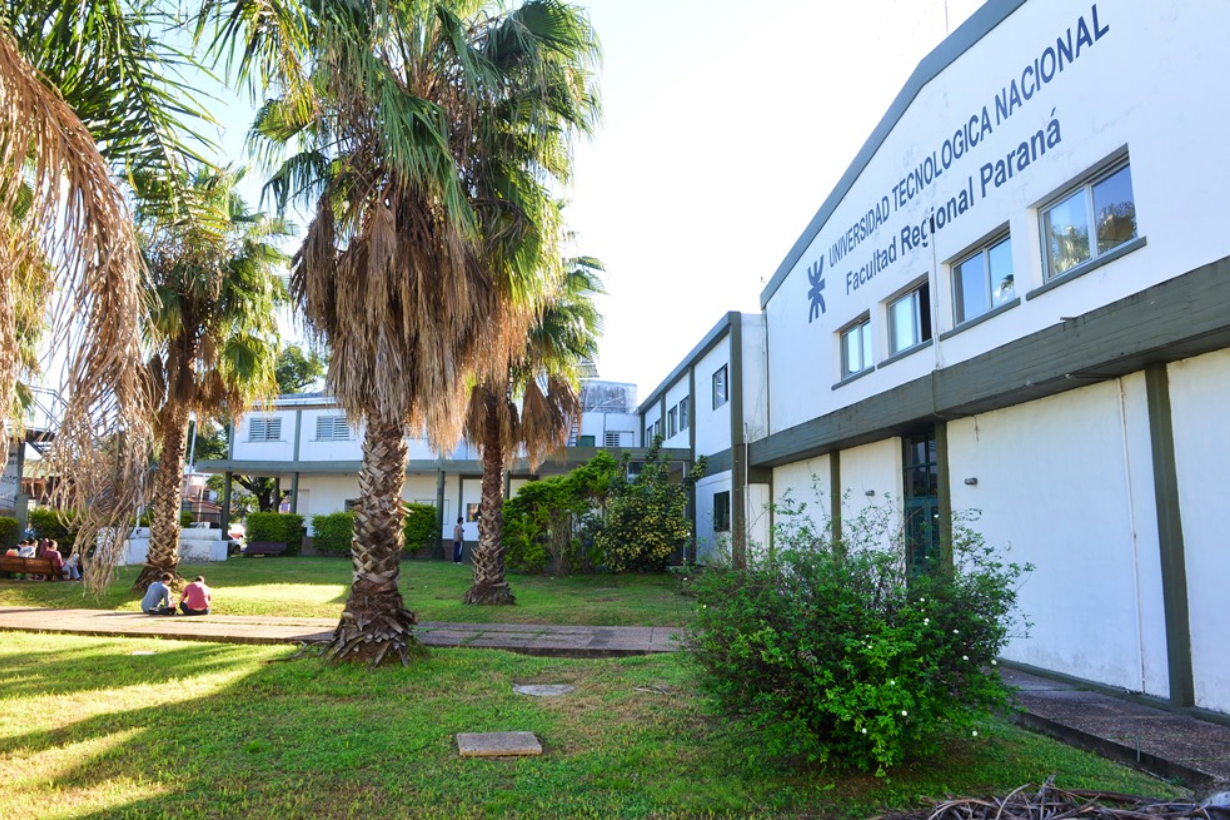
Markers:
{"x": 265, "y": 548}
{"x": 29, "y": 566}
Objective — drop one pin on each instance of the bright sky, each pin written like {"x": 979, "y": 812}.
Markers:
{"x": 727, "y": 123}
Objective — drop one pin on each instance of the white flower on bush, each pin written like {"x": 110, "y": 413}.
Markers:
{"x": 904, "y": 713}
{"x": 994, "y": 663}
{"x": 864, "y": 731}
{"x": 956, "y": 632}
{"x": 926, "y": 621}
{"x": 975, "y": 733}
{"x": 965, "y": 657}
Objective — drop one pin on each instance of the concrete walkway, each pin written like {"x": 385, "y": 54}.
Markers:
{"x": 1171, "y": 744}
{"x": 528, "y": 639}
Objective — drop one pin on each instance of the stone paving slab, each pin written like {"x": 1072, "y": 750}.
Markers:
{"x": 1165, "y": 742}
{"x": 498, "y": 744}
{"x": 536, "y": 639}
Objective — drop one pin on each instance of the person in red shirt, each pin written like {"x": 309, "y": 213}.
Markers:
{"x": 196, "y": 597}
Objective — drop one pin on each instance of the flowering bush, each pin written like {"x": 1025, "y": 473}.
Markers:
{"x": 833, "y": 650}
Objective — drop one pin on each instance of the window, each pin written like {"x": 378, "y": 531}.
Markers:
{"x": 472, "y": 512}
{"x": 672, "y": 422}
{"x": 657, "y": 427}
{"x": 856, "y": 347}
{"x": 909, "y": 320}
{"x": 721, "y": 389}
{"x": 332, "y": 428}
{"x": 613, "y": 438}
{"x": 1104, "y": 205}
{"x": 721, "y": 511}
{"x": 265, "y": 429}
{"x": 683, "y": 413}
{"x": 983, "y": 280}
{"x": 588, "y": 441}
{"x": 648, "y": 434}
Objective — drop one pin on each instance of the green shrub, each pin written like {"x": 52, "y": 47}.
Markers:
{"x": 9, "y": 532}
{"x": 186, "y": 519}
{"x": 421, "y": 528}
{"x": 59, "y": 526}
{"x": 646, "y": 521}
{"x": 831, "y": 651}
{"x": 331, "y": 533}
{"x": 284, "y": 527}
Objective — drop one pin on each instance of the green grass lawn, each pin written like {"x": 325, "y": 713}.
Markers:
{"x": 88, "y": 729}
{"x": 433, "y": 589}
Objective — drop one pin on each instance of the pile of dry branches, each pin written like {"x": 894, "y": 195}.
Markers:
{"x": 1051, "y": 803}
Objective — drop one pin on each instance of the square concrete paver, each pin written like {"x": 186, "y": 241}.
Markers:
{"x": 498, "y": 744}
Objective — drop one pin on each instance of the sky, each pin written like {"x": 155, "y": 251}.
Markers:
{"x": 726, "y": 124}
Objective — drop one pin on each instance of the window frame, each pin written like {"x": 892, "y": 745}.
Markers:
{"x": 982, "y": 249}
{"x": 270, "y": 424}
{"x": 922, "y": 319}
{"x": 672, "y": 421}
{"x": 335, "y": 420}
{"x": 1084, "y": 185}
{"x": 683, "y": 413}
{"x": 723, "y": 397}
{"x": 721, "y": 523}
{"x": 863, "y": 325}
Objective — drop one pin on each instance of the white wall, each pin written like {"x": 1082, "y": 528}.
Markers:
{"x": 712, "y": 426}
{"x": 677, "y": 391}
{"x": 313, "y": 449}
{"x": 598, "y": 424}
{"x": 874, "y": 467}
{"x": 755, "y": 377}
{"x": 804, "y": 484}
{"x": 758, "y": 518}
{"x": 1066, "y": 483}
{"x": 281, "y": 450}
{"x": 706, "y": 539}
{"x": 1200, "y": 396}
{"x": 1146, "y": 83}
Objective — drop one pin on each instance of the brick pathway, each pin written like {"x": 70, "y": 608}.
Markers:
{"x": 529, "y": 639}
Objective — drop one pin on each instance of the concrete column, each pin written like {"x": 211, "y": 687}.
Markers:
{"x": 440, "y": 508}
{"x": 294, "y": 492}
{"x": 226, "y": 502}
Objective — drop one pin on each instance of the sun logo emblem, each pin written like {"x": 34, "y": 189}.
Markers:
{"x": 815, "y": 275}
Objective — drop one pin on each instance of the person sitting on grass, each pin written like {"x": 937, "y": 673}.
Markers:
{"x": 196, "y": 597}
{"x": 157, "y": 600}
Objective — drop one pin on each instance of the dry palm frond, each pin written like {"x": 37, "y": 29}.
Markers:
{"x": 1051, "y": 803}
{"x": 76, "y": 221}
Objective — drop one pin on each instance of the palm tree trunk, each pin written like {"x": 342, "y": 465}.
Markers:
{"x": 490, "y": 585}
{"x": 163, "y": 555}
{"x": 376, "y": 625}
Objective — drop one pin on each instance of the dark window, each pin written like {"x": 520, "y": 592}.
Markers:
{"x": 721, "y": 389}
{"x": 586, "y": 441}
{"x": 909, "y": 320}
{"x": 922, "y": 499}
{"x": 683, "y": 413}
{"x": 721, "y": 511}
{"x": 472, "y": 512}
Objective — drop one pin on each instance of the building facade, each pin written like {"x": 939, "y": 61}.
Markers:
{"x": 308, "y": 445}
{"x": 1017, "y": 302}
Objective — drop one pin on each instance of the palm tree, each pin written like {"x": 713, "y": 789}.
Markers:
{"x": 428, "y": 135}
{"x": 565, "y": 336}
{"x": 214, "y": 333}
{"x": 86, "y": 90}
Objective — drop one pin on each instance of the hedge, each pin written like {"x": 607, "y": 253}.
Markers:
{"x": 8, "y": 532}
{"x": 286, "y": 528}
{"x": 60, "y": 527}
{"x": 331, "y": 533}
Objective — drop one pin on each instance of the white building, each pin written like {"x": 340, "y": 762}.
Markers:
{"x": 1016, "y": 300}
{"x": 309, "y": 446}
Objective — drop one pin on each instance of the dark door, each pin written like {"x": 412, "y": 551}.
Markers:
{"x": 922, "y": 500}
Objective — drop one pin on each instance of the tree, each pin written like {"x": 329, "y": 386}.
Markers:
{"x": 565, "y": 336}
{"x": 428, "y": 134}
{"x": 214, "y": 333}
{"x": 297, "y": 370}
{"x": 87, "y": 91}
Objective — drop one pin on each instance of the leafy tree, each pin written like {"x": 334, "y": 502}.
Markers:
{"x": 214, "y": 333}
{"x": 646, "y": 520}
{"x": 427, "y": 135}
{"x": 563, "y": 337}
{"x": 297, "y": 369}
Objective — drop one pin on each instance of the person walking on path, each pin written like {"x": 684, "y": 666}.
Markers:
{"x": 459, "y": 540}
{"x": 157, "y": 600}
{"x": 196, "y": 597}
